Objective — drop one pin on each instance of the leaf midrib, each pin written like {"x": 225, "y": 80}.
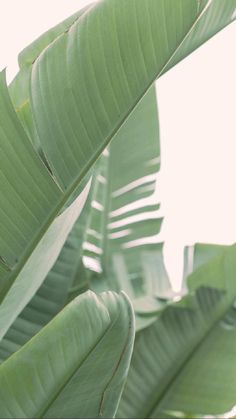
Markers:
{"x": 115, "y": 369}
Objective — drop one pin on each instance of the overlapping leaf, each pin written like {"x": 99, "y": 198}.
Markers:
{"x": 125, "y": 215}
{"x": 122, "y": 239}
{"x": 110, "y": 57}
{"x": 179, "y": 361}
{"x": 65, "y": 281}
{"x": 76, "y": 366}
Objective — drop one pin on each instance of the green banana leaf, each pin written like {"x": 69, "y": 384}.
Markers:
{"x": 126, "y": 204}
{"x": 24, "y": 271}
{"x": 27, "y": 192}
{"x": 122, "y": 48}
{"x": 121, "y": 243}
{"x": 19, "y": 87}
{"x": 124, "y": 217}
{"x": 183, "y": 363}
{"x": 75, "y": 366}
{"x": 83, "y": 87}
{"x": 65, "y": 281}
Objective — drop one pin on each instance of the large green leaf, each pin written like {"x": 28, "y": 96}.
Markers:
{"x": 24, "y": 204}
{"x": 25, "y": 195}
{"x": 76, "y": 366}
{"x": 28, "y": 193}
{"x": 110, "y": 57}
{"x": 126, "y": 202}
{"x": 122, "y": 239}
{"x": 125, "y": 217}
{"x": 29, "y": 273}
{"x": 65, "y": 281}
{"x": 184, "y": 361}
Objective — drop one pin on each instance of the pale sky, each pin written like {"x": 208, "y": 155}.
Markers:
{"x": 197, "y": 118}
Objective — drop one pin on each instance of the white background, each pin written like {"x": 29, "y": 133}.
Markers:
{"x": 198, "y": 135}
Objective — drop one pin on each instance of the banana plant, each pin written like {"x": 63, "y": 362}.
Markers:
{"x": 82, "y": 84}
{"x": 74, "y": 114}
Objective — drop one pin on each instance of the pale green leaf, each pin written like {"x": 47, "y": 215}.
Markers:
{"x": 76, "y": 366}
{"x": 91, "y": 78}
{"x": 183, "y": 361}
{"x": 122, "y": 238}
{"x": 65, "y": 281}
{"x": 124, "y": 215}
{"x": 31, "y": 275}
